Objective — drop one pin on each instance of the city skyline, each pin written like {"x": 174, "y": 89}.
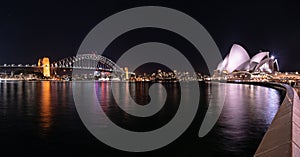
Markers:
{"x": 153, "y": 77}
{"x": 33, "y": 30}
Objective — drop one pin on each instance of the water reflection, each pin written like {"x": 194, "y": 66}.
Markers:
{"x": 140, "y": 94}
{"x": 42, "y": 115}
{"x": 247, "y": 109}
{"x": 45, "y": 111}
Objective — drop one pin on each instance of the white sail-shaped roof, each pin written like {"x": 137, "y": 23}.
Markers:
{"x": 244, "y": 67}
{"x": 237, "y": 56}
{"x": 259, "y": 57}
{"x": 222, "y": 65}
{"x": 239, "y": 60}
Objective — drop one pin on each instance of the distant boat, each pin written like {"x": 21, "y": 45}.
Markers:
{"x": 115, "y": 79}
{"x": 103, "y": 79}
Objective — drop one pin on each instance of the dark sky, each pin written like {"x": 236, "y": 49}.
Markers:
{"x": 31, "y": 30}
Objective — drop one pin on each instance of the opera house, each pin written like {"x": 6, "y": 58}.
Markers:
{"x": 239, "y": 62}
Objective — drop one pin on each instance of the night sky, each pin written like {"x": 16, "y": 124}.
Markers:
{"x": 32, "y": 30}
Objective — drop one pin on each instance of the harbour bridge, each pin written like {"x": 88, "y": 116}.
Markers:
{"x": 89, "y": 63}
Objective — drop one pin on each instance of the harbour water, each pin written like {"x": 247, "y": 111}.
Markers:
{"x": 39, "y": 118}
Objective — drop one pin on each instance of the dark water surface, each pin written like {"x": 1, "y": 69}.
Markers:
{"x": 40, "y": 119}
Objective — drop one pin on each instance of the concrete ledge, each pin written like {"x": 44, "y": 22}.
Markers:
{"x": 282, "y": 139}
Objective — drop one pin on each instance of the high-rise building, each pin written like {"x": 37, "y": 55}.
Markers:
{"x": 126, "y": 73}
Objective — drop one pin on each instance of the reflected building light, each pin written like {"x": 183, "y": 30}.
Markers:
{"x": 45, "y": 113}
{"x": 251, "y": 90}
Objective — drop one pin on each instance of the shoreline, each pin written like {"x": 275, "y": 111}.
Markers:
{"x": 282, "y": 136}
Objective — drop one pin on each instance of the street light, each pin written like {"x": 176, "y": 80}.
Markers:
{"x": 272, "y": 57}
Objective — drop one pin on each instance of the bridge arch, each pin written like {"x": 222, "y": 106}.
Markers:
{"x": 88, "y": 62}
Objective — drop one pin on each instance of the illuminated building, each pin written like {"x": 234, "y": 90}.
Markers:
{"x": 126, "y": 73}
{"x": 45, "y": 64}
{"x": 238, "y": 60}
{"x": 39, "y": 63}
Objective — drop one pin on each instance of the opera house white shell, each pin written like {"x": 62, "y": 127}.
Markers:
{"x": 239, "y": 60}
